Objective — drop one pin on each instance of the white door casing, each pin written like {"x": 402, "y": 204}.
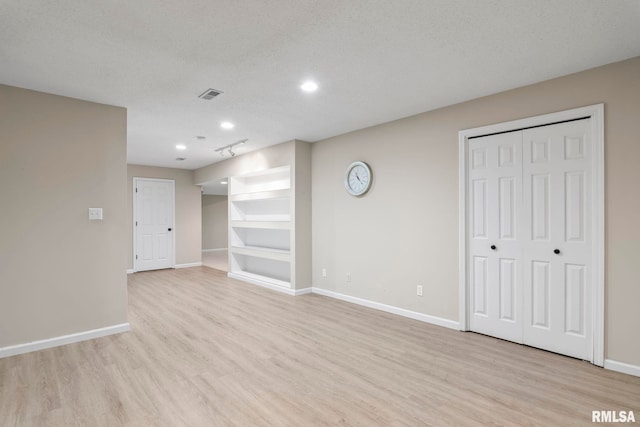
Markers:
{"x": 153, "y": 223}
{"x": 561, "y": 295}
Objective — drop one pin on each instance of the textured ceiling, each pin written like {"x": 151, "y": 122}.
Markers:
{"x": 375, "y": 61}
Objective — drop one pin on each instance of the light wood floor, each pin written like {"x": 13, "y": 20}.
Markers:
{"x": 207, "y": 351}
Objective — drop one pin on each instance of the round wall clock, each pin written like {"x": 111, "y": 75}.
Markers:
{"x": 357, "y": 180}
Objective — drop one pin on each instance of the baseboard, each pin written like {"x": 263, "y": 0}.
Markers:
{"x": 129, "y": 270}
{"x": 214, "y": 250}
{"x": 62, "y": 340}
{"x": 389, "y": 309}
{"x": 625, "y": 368}
{"x": 190, "y": 264}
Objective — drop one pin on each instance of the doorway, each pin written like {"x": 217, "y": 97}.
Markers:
{"x": 532, "y": 232}
{"x": 215, "y": 212}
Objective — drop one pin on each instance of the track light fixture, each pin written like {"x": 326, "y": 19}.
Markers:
{"x": 229, "y": 147}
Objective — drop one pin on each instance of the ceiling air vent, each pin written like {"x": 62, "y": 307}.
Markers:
{"x": 209, "y": 94}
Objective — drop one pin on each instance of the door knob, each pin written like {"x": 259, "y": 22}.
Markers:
{"x": 493, "y": 247}
{"x": 556, "y": 251}
{"x": 169, "y": 229}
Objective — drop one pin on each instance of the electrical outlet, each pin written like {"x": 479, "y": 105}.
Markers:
{"x": 324, "y": 272}
{"x": 419, "y": 290}
{"x": 95, "y": 214}
{"x": 348, "y": 277}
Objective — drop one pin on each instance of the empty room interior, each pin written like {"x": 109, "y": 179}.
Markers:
{"x": 300, "y": 213}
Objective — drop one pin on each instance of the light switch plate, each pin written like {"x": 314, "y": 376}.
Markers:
{"x": 95, "y": 213}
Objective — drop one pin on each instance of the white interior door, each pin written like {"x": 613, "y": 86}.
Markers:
{"x": 529, "y": 243}
{"x": 558, "y": 242}
{"x": 153, "y": 223}
{"x": 495, "y": 264}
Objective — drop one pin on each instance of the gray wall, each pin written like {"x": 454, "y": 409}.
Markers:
{"x": 59, "y": 272}
{"x": 404, "y": 233}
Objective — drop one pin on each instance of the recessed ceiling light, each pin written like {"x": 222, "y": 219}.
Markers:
{"x": 309, "y": 86}
{"x": 181, "y": 147}
{"x": 224, "y": 182}
{"x": 227, "y": 125}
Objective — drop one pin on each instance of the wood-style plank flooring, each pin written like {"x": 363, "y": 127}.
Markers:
{"x": 205, "y": 350}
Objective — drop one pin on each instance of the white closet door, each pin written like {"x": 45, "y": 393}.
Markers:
{"x": 495, "y": 242}
{"x": 557, "y": 242}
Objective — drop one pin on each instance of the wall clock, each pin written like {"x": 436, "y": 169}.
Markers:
{"x": 357, "y": 180}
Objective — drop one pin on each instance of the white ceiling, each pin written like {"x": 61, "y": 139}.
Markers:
{"x": 375, "y": 61}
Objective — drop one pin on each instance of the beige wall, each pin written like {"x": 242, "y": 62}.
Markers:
{"x": 215, "y": 228}
{"x": 404, "y": 233}
{"x": 59, "y": 272}
{"x": 188, "y": 221}
{"x": 302, "y": 214}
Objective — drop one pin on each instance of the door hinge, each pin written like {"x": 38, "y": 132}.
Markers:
{"x": 136, "y": 256}
{"x": 136, "y": 189}
{"x": 136, "y": 223}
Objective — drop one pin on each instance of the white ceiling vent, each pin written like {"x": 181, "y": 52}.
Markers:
{"x": 209, "y": 94}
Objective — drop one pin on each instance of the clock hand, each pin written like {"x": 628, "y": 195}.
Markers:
{"x": 358, "y": 178}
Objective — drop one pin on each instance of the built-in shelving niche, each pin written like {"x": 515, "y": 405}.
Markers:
{"x": 260, "y": 235}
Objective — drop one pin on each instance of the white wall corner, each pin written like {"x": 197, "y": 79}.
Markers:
{"x": 625, "y": 368}
{"x": 62, "y": 340}
{"x": 434, "y": 320}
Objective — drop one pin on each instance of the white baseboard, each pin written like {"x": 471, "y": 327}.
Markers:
{"x": 303, "y": 291}
{"x": 129, "y": 270}
{"x": 389, "y": 309}
{"x": 214, "y": 250}
{"x": 264, "y": 284}
{"x": 625, "y": 368}
{"x": 62, "y": 340}
{"x": 190, "y": 264}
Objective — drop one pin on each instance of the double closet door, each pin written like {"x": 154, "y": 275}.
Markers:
{"x": 529, "y": 239}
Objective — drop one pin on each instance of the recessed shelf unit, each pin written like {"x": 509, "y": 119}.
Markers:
{"x": 260, "y": 227}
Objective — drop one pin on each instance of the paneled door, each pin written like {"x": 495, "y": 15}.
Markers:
{"x": 153, "y": 224}
{"x": 495, "y": 241}
{"x": 529, "y": 237}
{"x": 557, "y": 241}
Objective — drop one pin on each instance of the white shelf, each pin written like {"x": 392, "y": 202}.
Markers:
{"x": 260, "y": 252}
{"x": 269, "y": 209}
{"x": 269, "y": 268}
{"x": 276, "y": 239}
{"x": 262, "y": 181}
{"x": 275, "y": 225}
{"x": 261, "y": 195}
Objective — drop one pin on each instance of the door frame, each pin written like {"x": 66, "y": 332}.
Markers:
{"x": 135, "y": 215}
{"x": 596, "y": 114}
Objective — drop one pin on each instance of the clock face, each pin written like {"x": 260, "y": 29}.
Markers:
{"x": 358, "y": 178}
